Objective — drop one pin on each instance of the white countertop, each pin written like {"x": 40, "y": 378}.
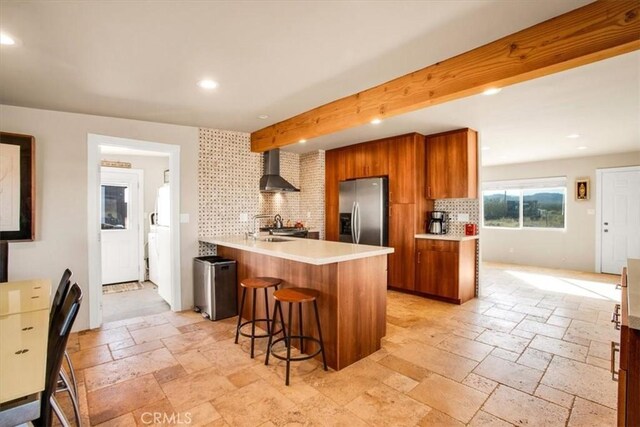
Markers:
{"x": 452, "y": 237}
{"x": 309, "y": 251}
{"x": 633, "y": 292}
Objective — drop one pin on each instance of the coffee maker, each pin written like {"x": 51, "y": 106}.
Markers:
{"x": 438, "y": 223}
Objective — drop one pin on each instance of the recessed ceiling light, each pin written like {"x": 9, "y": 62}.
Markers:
{"x": 207, "y": 84}
{"x": 582, "y": 147}
{"x": 486, "y": 148}
{"x": 263, "y": 117}
{"x": 6, "y": 40}
{"x": 376, "y": 121}
{"x": 491, "y": 91}
{"x": 573, "y": 136}
{"x": 302, "y": 141}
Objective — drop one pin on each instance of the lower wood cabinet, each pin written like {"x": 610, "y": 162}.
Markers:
{"x": 402, "y": 218}
{"x": 446, "y": 269}
{"x": 628, "y": 376}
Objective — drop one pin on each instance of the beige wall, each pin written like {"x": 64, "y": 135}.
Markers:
{"x": 573, "y": 248}
{"x": 61, "y": 192}
{"x": 153, "y": 168}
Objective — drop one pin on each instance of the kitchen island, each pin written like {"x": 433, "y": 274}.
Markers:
{"x": 351, "y": 280}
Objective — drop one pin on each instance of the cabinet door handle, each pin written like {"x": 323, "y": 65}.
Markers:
{"x": 419, "y": 255}
{"x": 615, "y": 348}
{"x": 615, "y": 317}
{"x": 429, "y": 191}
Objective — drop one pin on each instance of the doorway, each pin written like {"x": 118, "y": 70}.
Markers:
{"x": 617, "y": 218}
{"x": 122, "y": 207}
{"x": 121, "y": 235}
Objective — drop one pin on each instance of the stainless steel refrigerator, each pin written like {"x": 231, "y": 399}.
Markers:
{"x": 364, "y": 211}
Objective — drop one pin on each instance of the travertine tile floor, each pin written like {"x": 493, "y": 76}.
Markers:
{"x": 534, "y": 350}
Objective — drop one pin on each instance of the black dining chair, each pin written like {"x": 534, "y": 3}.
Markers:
{"x": 65, "y": 384}
{"x": 4, "y": 261}
{"x": 58, "y": 337}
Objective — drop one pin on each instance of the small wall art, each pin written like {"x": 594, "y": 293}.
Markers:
{"x": 583, "y": 189}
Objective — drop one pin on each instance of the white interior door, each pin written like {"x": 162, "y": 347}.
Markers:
{"x": 120, "y": 224}
{"x": 620, "y": 227}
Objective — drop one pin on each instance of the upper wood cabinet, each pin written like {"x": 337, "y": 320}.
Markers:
{"x": 366, "y": 160}
{"x": 452, "y": 165}
{"x": 406, "y": 169}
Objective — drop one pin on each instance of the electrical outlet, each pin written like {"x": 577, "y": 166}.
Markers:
{"x": 591, "y": 211}
{"x": 184, "y": 218}
{"x": 463, "y": 217}
{"x": 244, "y": 217}
{"x": 308, "y": 215}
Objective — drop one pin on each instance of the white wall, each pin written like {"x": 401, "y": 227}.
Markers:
{"x": 153, "y": 168}
{"x": 571, "y": 249}
{"x": 61, "y": 192}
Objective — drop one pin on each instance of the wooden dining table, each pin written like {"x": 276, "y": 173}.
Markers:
{"x": 24, "y": 327}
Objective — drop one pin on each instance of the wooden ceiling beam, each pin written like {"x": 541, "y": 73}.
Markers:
{"x": 597, "y": 31}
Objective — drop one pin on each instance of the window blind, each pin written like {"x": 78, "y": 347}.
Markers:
{"x": 523, "y": 184}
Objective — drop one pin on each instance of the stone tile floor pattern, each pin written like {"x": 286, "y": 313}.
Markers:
{"x": 532, "y": 350}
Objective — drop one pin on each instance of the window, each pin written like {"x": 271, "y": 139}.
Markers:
{"x": 502, "y": 208}
{"x": 114, "y": 207}
{"x": 535, "y": 203}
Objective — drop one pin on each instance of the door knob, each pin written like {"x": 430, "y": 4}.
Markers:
{"x": 606, "y": 231}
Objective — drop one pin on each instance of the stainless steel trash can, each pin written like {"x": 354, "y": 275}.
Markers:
{"x": 215, "y": 293}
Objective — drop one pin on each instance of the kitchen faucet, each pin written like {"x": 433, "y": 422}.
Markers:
{"x": 256, "y": 230}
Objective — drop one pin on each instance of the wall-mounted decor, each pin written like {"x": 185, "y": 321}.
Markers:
{"x": 583, "y": 189}
{"x": 17, "y": 187}
{"x": 115, "y": 164}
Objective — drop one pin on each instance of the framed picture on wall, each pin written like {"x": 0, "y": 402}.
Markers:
{"x": 583, "y": 189}
{"x": 17, "y": 187}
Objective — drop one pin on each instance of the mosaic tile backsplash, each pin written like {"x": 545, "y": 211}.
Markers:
{"x": 459, "y": 206}
{"x": 228, "y": 177}
{"x": 312, "y": 190}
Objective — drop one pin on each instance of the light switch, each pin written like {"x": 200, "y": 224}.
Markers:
{"x": 184, "y": 218}
{"x": 244, "y": 217}
{"x": 591, "y": 211}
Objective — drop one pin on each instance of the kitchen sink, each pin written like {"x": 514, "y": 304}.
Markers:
{"x": 274, "y": 239}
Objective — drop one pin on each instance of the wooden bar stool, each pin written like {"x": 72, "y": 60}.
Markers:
{"x": 256, "y": 283}
{"x": 298, "y": 296}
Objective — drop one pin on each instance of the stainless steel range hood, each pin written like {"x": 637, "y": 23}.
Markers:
{"x": 271, "y": 181}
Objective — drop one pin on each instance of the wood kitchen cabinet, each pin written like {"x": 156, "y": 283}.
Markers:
{"x": 334, "y": 173}
{"x": 628, "y": 376}
{"x": 401, "y": 159}
{"x": 369, "y": 159}
{"x": 407, "y": 169}
{"x": 446, "y": 269}
{"x": 452, "y": 165}
{"x": 402, "y": 239}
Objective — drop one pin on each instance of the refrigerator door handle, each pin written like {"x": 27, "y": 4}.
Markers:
{"x": 353, "y": 222}
{"x": 359, "y": 223}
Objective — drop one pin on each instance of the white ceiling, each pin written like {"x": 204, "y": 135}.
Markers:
{"x": 142, "y": 60}
{"x": 530, "y": 121}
